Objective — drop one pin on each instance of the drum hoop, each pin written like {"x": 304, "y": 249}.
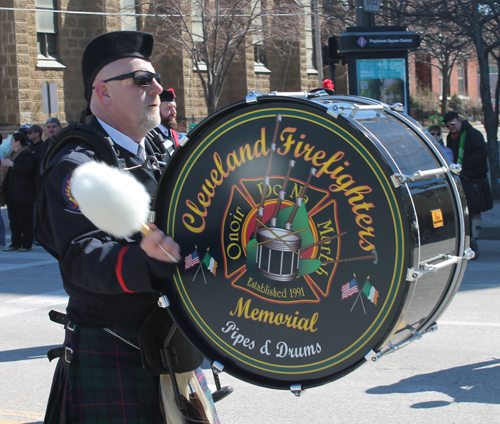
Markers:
{"x": 398, "y": 274}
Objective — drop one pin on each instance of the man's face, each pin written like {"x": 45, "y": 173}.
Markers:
{"x": 168, "y": 113}
{"x": 52, "y": 129}
{"x": 130, "y": 108}
{"x": 454, "y": 126}
{"x": 33, "y": 136}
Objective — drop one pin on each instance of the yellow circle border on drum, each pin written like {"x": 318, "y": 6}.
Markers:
{"x": 191, "y": 165}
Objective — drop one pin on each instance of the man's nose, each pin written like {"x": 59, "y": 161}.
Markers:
{"x": 156, "y": 87}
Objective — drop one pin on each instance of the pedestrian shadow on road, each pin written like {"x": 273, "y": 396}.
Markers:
{"x": 473, "y": 383}
{"x": 27, "y": 353}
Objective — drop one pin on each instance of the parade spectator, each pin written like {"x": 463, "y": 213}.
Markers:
{"x": 53, "y": 126}
{"x": 435, "y": 131}
{"x": 2, "y": 223}
{"x": 16, "y": 180}
{"x": 24, "y": 129}
{"x": 38, "y": 147}
{"x": 34, "y": 135}
{"x": 470, "y": 151}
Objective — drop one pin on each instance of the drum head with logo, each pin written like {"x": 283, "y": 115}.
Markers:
{"x": 295, "y": 242}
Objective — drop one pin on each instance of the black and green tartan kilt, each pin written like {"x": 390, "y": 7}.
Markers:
{"x": 105, "y": 382}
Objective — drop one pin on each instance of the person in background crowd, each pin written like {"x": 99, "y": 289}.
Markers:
{"x": 38, "y": 147}
{"x": 53, "y": 126}
{"x": 24, "y": 129}
{"x": 34, "y": 135}
{"x": 470, "y": 151}
{"x": 168, "y": 114}
{"x": 113, "y": 284}
{"x": 2, "y": 223}
{"x": 182, "y": 127}
{"x": 435, "y": 131}
{"x": 16, "y": 180}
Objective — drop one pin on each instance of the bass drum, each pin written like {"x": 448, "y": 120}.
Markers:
{"x": 318, "y": 233}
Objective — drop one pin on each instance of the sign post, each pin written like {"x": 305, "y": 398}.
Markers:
{"x": 49, "y": 98}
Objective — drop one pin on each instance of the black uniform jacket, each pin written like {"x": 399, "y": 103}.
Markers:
{"x": 110, "y": 282}
{"x": 475, "y": 160}
{"x": 19, "y": 185}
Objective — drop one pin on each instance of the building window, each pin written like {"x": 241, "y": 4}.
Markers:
{"x": 259, "y": 54}
{"x": 309, "y": 33}
{"x": 258, "y": 34}
{"x": 129, "y": 23}
{"x": 462, "y": 78}
{"x": 46, "y": 29}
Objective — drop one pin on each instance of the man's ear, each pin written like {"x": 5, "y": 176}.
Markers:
{"x": 101, "y": 89}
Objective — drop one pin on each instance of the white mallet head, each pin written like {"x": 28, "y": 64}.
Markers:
{"x": 111, "y": 199}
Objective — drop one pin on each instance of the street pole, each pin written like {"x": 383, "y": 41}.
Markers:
{"x": 364, "y": 18}
{"x": 317, "y": 43}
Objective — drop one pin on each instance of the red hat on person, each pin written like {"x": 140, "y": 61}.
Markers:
{"x": 328, "y": 84}
{"x": 167, "y": 95}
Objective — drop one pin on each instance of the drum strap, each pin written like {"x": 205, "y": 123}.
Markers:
{"x": 461, "y": 148}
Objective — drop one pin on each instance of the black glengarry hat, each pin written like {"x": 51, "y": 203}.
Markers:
{"x": 167, "y": 95}
{"x": 112, "y": 46}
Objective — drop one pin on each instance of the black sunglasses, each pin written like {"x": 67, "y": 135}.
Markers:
{"x": 141, "y": 78}
{"x": 435, "y": 133}
{"x": 450, "y": 124}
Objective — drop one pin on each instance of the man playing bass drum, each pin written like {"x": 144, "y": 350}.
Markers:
{"x": 113, "y": 284}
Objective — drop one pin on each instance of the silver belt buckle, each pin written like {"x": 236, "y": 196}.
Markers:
{"x": 68, "y": 354}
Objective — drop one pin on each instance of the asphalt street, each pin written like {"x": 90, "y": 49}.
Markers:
{"x": 450, "y": 376}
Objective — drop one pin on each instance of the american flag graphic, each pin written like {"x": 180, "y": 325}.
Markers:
{"x": 350, "y": 288}
{"x": 191, "y": 260}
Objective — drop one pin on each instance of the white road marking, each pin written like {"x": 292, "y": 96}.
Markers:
{"x": 13, "y": 267}
{"x": 32, "y": 302}
{"x": 470, "y": 324}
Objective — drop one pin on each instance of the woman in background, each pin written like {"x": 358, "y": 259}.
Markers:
{"x": 435, "y": 131}
{"x": 18, "y": 186}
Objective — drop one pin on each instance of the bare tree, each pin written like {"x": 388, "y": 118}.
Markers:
{"x": 443, "y": 42}
{"x": 212, "y": 33}
{"x": 474, "y": 18}
{"x": 493, "y": 36}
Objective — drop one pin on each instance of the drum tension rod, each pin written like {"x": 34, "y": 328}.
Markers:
{"x": 336, "y": 110}
{"x": 375, "y": 356}
{"x": 399, "y": 179}
{"x": 414, "y": 274}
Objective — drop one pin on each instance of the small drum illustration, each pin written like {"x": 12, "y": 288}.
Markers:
{"x": 278, "y": 253}
{"x": 320, "y": 233}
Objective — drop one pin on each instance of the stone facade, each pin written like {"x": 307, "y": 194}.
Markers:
{"x": 24, "y": 73}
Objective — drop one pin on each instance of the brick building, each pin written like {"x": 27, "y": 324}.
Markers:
{"x": 42, "y": 42}
{"x": 464, "y": 80}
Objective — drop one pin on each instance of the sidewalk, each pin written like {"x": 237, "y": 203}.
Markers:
{"x": 491, "y": 223}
